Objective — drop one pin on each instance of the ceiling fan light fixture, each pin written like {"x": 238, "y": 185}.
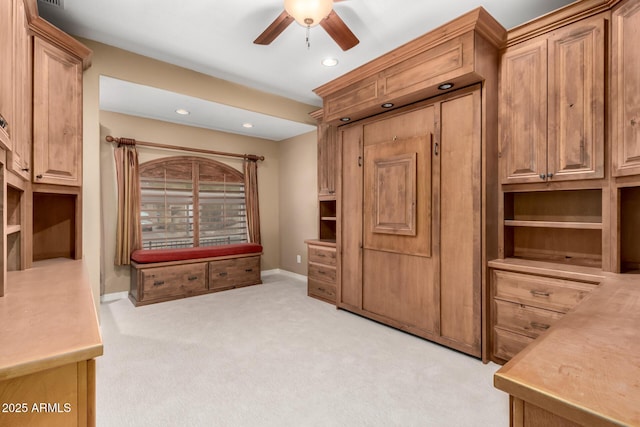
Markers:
{"x": 308, "y": 13}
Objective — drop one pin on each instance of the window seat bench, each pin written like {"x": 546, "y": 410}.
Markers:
{"x": 159, "y": 275}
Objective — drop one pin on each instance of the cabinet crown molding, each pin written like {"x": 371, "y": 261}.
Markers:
{"x": 478, "y": 20}
{"x": 47, "y": 31}
{"x": 573, "y": 12}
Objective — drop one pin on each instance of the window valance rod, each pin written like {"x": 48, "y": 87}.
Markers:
{"x": 130, "y": 141}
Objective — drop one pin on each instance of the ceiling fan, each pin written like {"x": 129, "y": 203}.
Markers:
{"x": 309, "y": 13}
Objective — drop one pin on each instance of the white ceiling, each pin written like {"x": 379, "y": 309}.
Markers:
{"x": 216, "y": 38}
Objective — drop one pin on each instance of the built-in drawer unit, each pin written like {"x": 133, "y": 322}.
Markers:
{"x": 235, "y": 272}
{"x": 526, "y": 304}
{"x": 164, "y": 281}
{"x": 321, "y": 270}
{"x": 177, "y": 280}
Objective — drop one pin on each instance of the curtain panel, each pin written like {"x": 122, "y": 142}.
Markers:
{"x": 128, "y": 231}
{"x": 251, "y": 199}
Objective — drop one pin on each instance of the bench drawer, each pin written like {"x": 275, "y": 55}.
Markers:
{"x": 173, "y": 281}
{"x": 543, "y": 292}
{"x": 229, "y": 273}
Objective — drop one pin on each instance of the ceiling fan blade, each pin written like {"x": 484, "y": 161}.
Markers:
{"x": 339, "y": 31}
{"x": 274, "y": 30}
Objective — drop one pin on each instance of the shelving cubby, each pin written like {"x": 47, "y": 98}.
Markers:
{"x": 562, "y": 226}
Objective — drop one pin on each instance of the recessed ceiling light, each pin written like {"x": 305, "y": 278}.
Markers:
{"x": 445, "y": 86}
{"x": 345, "y": 119}
{"x": 247, "y": 125}
{"x": 330, "y": 62}
{"x": 182, "y": 112}
{"x": 387, "y": 105}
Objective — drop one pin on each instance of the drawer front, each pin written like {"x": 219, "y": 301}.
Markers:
{"x": 234, "y": 272}
{"x": 322, "y": 272}
{"x": 507, "y": 344}
{"x": 524, "y": 319}
{"x": 322, "y": 289}
{"x": 175, "y": 280}
{"x": 543, "y": 292}
{"x": 322, "y": 255}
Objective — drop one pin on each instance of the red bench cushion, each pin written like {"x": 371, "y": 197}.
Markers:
{"x": 145, "y": 256}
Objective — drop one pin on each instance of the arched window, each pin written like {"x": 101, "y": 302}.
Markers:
{"x": 191, "y": 201}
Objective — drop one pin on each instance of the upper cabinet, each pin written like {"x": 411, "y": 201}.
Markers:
{"x": 454, "y": 54}
{"x": 552, "y": 116}
{"x": 19, "y": 159}
{"x": 625, "y": 89}
{"x": 6, "y": 73}
{"x": 57, "y": 143}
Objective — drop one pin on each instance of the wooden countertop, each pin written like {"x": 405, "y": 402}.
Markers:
{"x": 586, "y": 368}
{"x": 47, "y": 318}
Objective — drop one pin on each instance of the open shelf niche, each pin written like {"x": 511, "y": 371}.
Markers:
{"x": 629, "y": 230}
{"x": 328, "y": 220}
{"x": 562, "y": 226}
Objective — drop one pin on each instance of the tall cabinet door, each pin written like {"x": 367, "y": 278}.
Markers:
{"x": 461, "y": 192}
{"x": 523, "y": 113}
{"x": 399, "y": 264}
{"x": 576, "y": 101}
{"x": 349, "y": 292}
{"x": 57, "y": 139}
{"x": 625, "y": 89}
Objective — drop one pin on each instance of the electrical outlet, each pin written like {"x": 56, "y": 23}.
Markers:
{"x": 298, "y": 259}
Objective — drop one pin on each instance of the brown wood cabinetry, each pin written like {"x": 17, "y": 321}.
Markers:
{"x": 552, "y": 117}
{"x": 57, "y": 143}
{"x": 625, "y": 87}
{"x": 326, "y": 161}
{"x": 416, "y": 187}
{"x": 412, "y": 258}
{"x": 19, "y": 158}
{"x": 164, "y": 281}
{"x": 526, "y": 305}
{"x": 7, "y": 73}
{"x": 322, "y": 274}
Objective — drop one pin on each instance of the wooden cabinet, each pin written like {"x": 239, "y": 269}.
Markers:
{"x": 164, "y": 281}
{"x": 552, "y": 114}
{"x": 7, "y": 73}
{"x": 415, "y": 71}
{"x": 411, "y": 214}
{"x": 19, "y": 158}
{"x": 625, "y": 87}
{"x": 326, "y": 161}
{"x": 322, "y": 272}
{"x": 416, "y": 186}
{"x": 526, "y": 305}
{"x": 57, "y": 115}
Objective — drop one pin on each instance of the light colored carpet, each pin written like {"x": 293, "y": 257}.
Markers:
{"x": 268, "y": 355}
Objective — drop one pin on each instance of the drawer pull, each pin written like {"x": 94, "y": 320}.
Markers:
{"x": 322, "y": 289}
{"x": 158, "y": 282}
{"x": 540, "y": 326}
{"x": 222, "y": 274}
{"x": 539, "y": 293}
{"x": 191, "y": 278}
{"x": 248, "y": 270}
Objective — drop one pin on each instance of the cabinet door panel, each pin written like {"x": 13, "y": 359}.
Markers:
{"x": 57, "y": 145}
{"x": 626, "y": 89}
{"x": 576, "y": 102}
{"x": 326, "y": 160}
{"x": 460, "y": 221}
{"x": 6, "y": 73}
{"x": 350, "y": 243}
{"x": 523, "y": 113}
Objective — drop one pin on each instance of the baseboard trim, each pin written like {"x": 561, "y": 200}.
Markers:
{"x": 284, "y": 273}
{"x": 114, "y": 296}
